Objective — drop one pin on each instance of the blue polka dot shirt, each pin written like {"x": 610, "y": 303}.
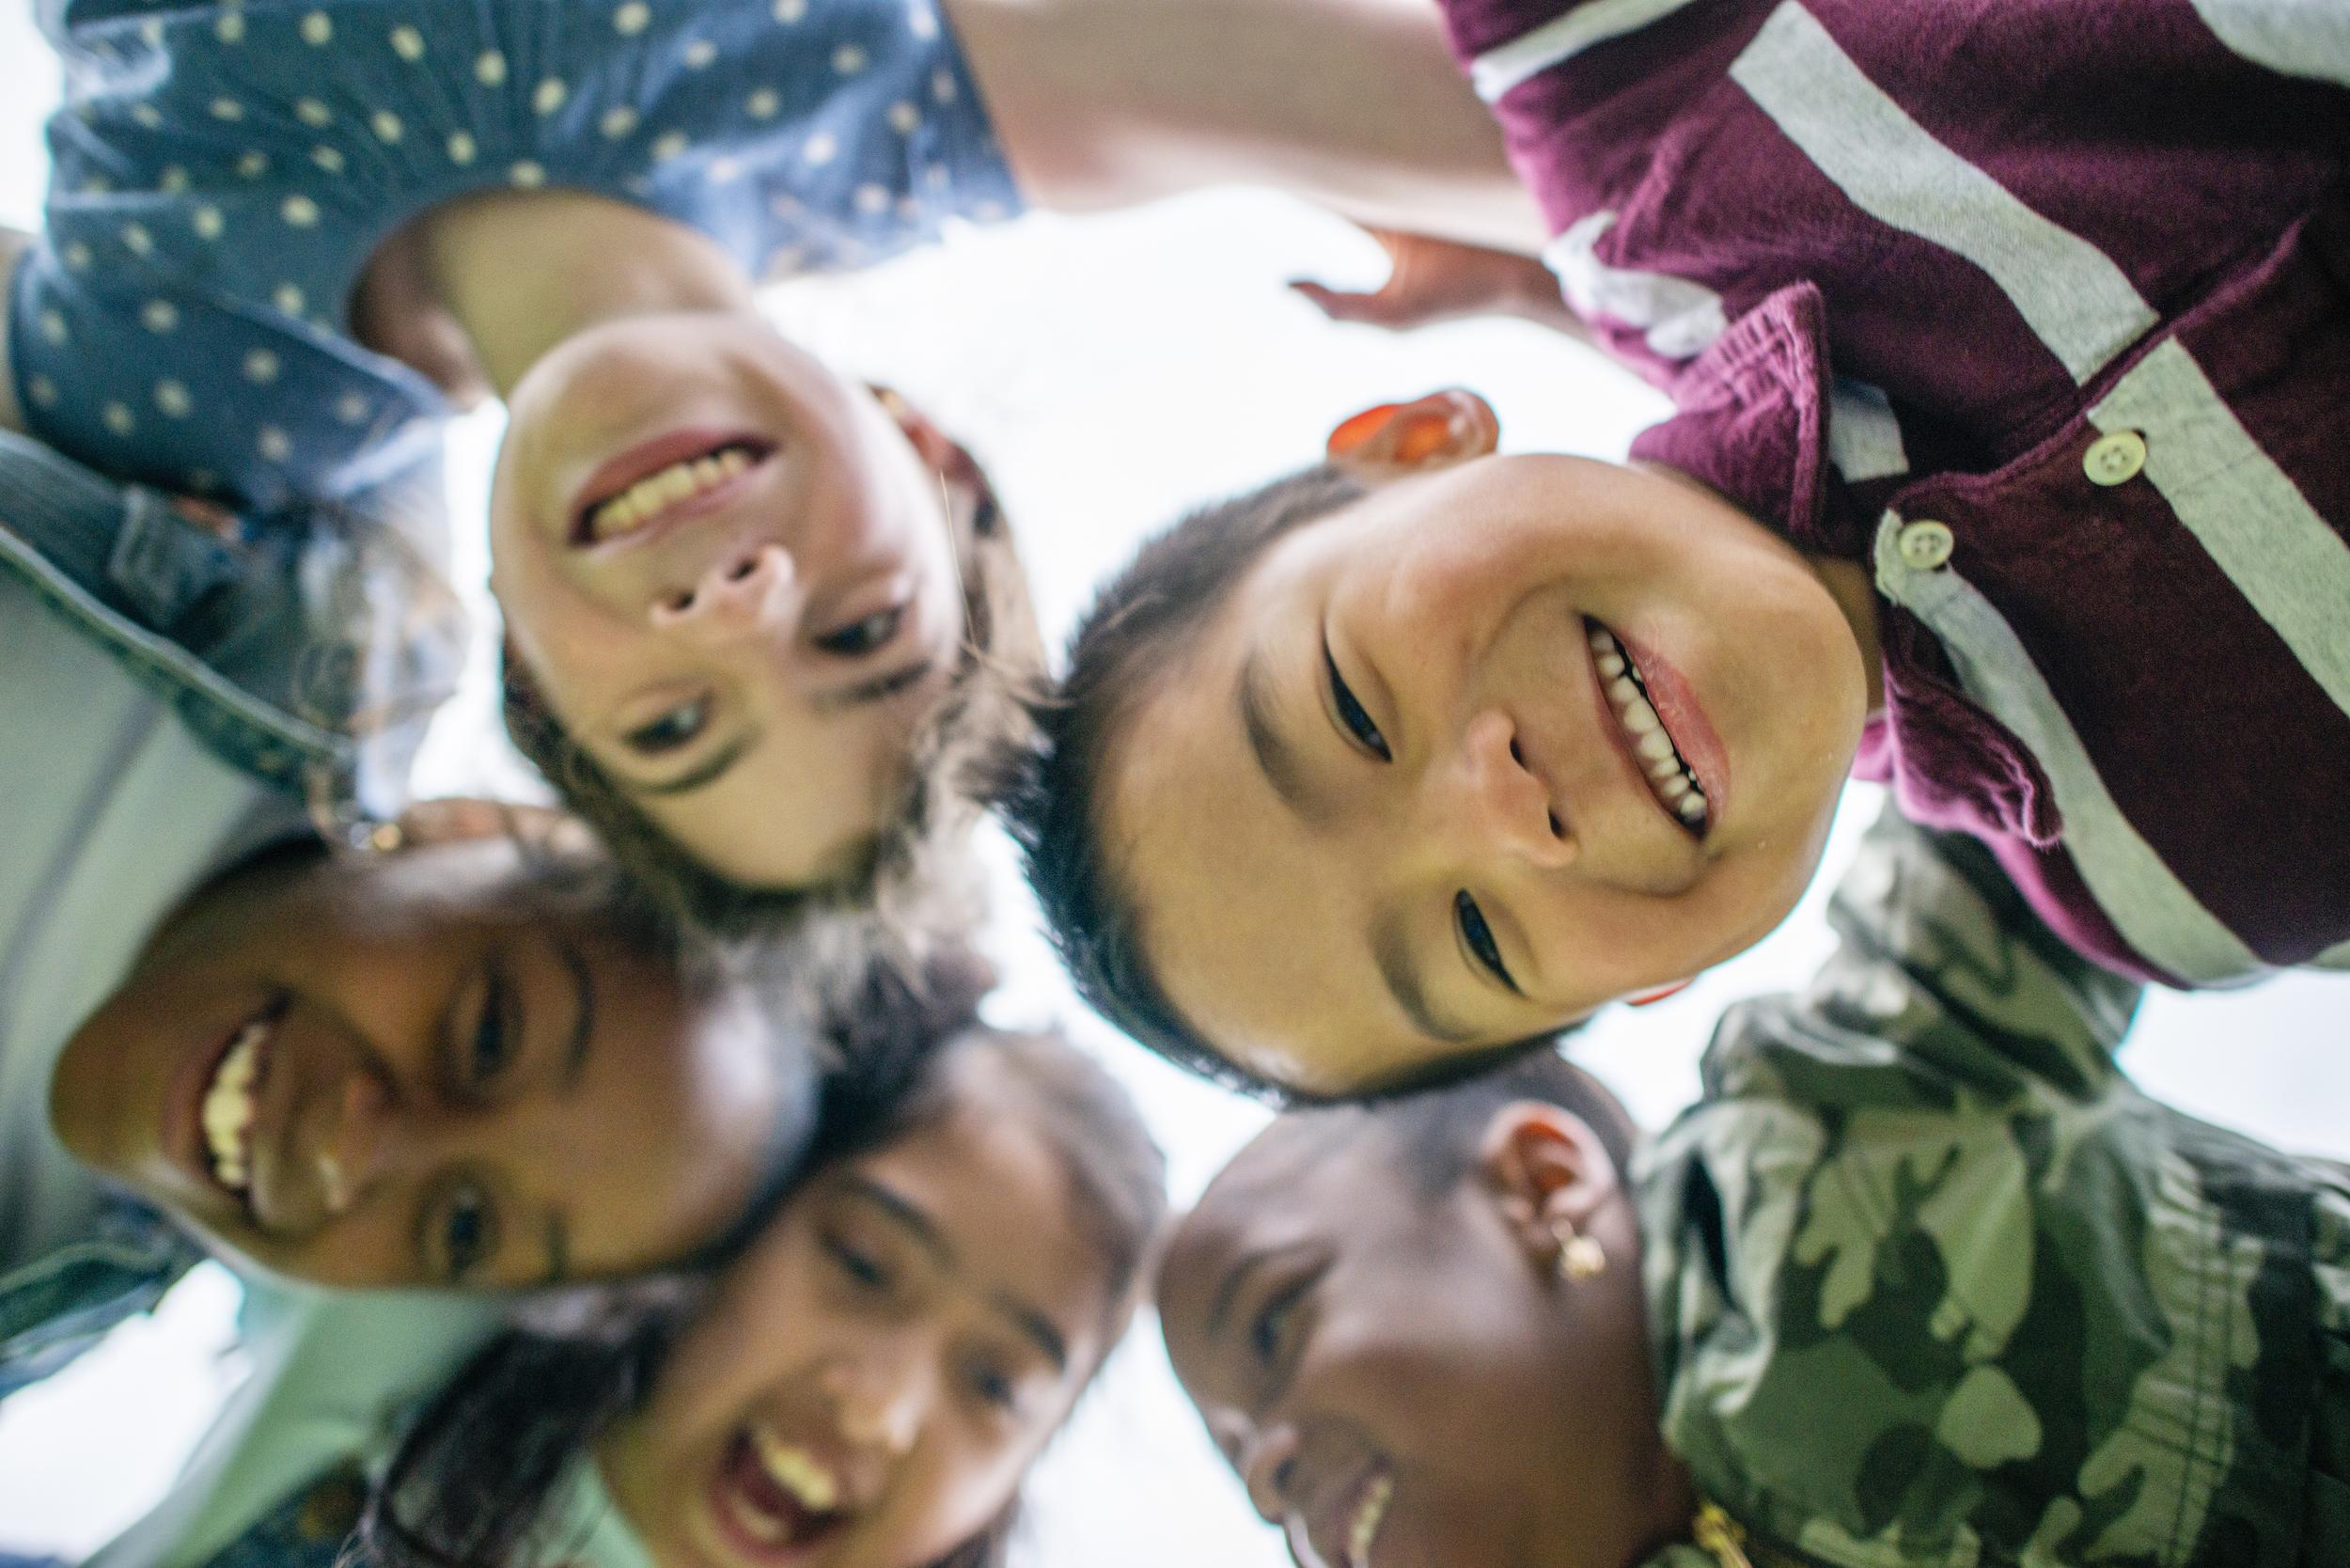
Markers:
{"x": 222, "y": 174}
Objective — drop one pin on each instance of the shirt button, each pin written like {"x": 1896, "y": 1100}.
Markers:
{"x": 1926, "y": 545}
{"x": 2115, "y": 459}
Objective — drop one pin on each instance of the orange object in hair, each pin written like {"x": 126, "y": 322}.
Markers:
{"x": 1355, "y": 433}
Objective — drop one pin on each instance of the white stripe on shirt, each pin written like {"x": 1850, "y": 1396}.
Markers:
{"x": 1499, "y": 70}
{"x": 2255, "y": 523}
{"x": 2076, "y": 300}
{"x": 2292, "y": 38}
{"x": 1864, "y": 437}
{"x": 2148, "y": 905}
{"x": 1681, "y": 319}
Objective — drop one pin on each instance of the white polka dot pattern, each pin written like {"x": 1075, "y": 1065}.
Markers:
{"x": 198, "y": 336}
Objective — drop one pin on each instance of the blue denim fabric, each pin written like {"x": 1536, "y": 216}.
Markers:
{"x": 62, "y": 1303}
{"x": 306, "y": 649}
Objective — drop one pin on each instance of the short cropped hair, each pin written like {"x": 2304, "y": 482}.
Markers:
{"x": 1047, "y": 792}
{"x": 1438, "y": 1129}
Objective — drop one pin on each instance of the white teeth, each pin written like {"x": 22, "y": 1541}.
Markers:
{"x": 648, "y": 497}
{"x": 796, "y": 1472}
{"x": 228, "y": 1110}
{"x": 1670, "y": 777}
{"x": 1368, "y": 1518}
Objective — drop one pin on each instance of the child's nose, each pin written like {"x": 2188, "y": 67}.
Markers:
{"x": 1266, "y": 1465}
{"x": 749, "y": 591}
{"x": 1501, "y": 802}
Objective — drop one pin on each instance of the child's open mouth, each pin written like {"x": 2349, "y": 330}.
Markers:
{"x": 662, "y": 480}
{"x": 226, "y": 1109}
{"x": 1668, "y": 776}
{"x": 776, "y": 1499}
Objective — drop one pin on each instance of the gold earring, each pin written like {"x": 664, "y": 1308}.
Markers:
{"x": 1580, "y": 1257}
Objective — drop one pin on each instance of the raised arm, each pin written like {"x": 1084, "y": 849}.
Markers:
{"x": 1357, "y": 105}
{"x": 1939, "y": 957}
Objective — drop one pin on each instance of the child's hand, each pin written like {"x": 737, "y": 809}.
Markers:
{"x": 1439, "y": 280}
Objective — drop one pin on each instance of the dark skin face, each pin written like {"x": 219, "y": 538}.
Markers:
{"x": 455, "y": 1085}
{"x": 1403, "y": 1380}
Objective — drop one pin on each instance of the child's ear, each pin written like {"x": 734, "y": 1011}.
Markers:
{"x": 1543, "y": 1165}
{"x": 1435, "y": 431}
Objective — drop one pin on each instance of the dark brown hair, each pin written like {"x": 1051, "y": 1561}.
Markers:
{"x": 1140, "y": 621}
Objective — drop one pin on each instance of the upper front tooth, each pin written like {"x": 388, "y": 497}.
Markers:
{"x": 1656, "y": 744}
{"x": 733, "y": 461}
{"x": 1620, "y": 691}
{"x": 796, "y": 1472}
{"x": 1602, "y": 640}
{"x": 1610, "y": 665}
{"x": 1368, "y": 1519}
{"x": 1691, "y": 807}
{"x": 1640, "y": 719}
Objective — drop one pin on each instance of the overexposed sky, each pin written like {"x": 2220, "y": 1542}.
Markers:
{"x": 1111, "y": 372}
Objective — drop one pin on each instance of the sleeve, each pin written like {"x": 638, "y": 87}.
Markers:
{"x": 1941, "y": 975}
{"x": 1869, "y": 1199}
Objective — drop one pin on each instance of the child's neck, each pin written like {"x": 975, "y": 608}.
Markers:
{"x": 520, "y": 270}
{"x": 1849, "y": 583}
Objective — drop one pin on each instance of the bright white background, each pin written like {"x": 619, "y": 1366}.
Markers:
{"x": 1110, "y": 372}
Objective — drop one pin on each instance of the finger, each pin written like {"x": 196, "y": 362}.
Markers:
{"x": 1371, "y": 309}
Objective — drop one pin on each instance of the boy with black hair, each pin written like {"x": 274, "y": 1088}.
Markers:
{"x": 1923, "y": 1279}
{"x": 2007, "y": 344}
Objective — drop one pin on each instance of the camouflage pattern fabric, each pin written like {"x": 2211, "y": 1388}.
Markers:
{"x": 1932, "y": 1282}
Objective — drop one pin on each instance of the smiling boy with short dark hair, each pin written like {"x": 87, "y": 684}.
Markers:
{"x": 2007, "y": 345}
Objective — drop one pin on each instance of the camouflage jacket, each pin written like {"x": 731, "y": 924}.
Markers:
{"x": 1932, "y": 1282}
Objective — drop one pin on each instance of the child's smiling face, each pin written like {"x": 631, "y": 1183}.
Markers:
{"x": 1402, "y": 1376}
{"x": 1391, "y": 805}
{"x": 879, "y": 1368}
{"x": 733, "y": 578}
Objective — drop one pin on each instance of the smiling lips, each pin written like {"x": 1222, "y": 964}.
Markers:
{"x": 776, "y": 1498}
{"x": 1668, "y": 776}
{"x": 664, "y": 479}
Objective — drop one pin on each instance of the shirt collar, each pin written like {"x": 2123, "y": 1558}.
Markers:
{"x": 1753, "y": 419}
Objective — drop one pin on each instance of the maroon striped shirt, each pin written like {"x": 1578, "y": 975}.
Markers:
{"x": 2042, "y": 309}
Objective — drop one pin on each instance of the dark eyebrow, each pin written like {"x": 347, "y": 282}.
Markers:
{"x": 584, "y": 1014}
{"x": 1274, "y": 758}
{"x": 1392, "y": 949}
{"x": 879, "y": 689}
{"x": 1030, "y": 1322}
{"x": 695, "y": 779}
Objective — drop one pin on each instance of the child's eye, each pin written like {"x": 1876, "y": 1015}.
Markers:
{"x": 465, "y": 1231}
{"x": 858, "y": 1265}
{"x": 860, "y": 637}
{"x": 1269, "y": 1331}
{"x": 1479, "y": 938}
{"x": 671, "y": 730}
{"x": 1352, "y": 713}
{"x": 491, "y": 1045}
{"x": 994, "y": 1386}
